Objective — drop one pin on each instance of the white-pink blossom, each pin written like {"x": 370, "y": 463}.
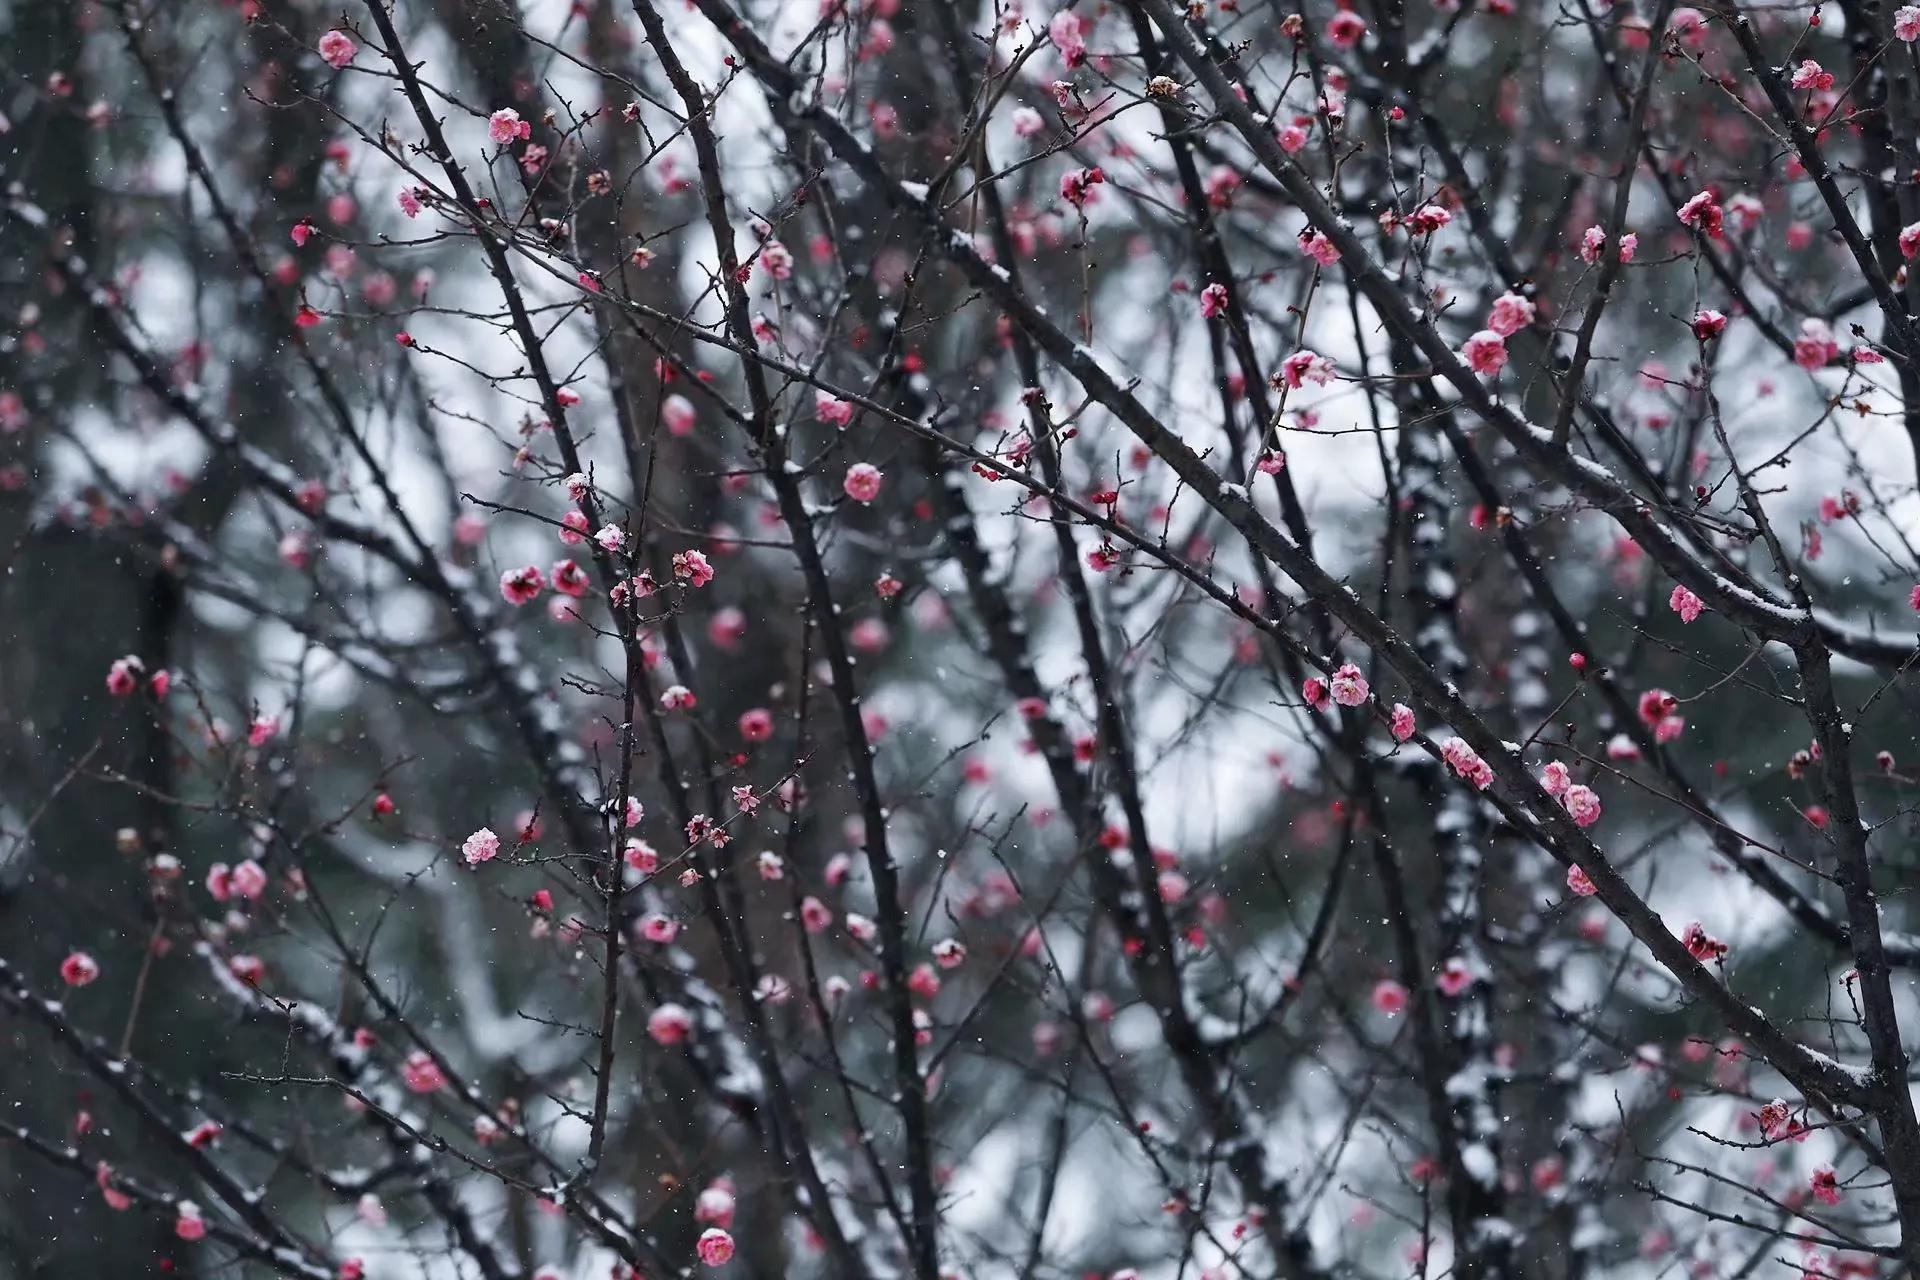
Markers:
{"x": 505, "y": 126}
{"x": 481, "y": 846}
{"x": 862, "y": 482}
{"x": 670, "y": 1024}
{"x": 1485, "y": 352}
{"x": 1510, "y": 314}
{"x": 715, "y": 1247}
{"x": 1305, "y": 366}
{"x": 1582, "y": 804}
{"x": 1348, "y": 686}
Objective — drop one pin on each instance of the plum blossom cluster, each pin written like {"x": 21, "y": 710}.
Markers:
{"x": 708, "y": 683}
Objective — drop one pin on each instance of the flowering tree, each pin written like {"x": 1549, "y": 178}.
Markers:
{"x": 923, "y": 639}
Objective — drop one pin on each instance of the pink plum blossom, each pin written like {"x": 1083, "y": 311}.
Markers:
{"x": 1348, "y": 686}
{"x": 1511, "y": 313}
{"x": 715, "y": 1247}
{"x": 422, "y": 1074}
{"x": 78, "y": 969}
{"x": 1303, "y": 367}
{"x": 338, "y": 48}
{"x": 1485, "y": 352}
{"x": 862, "y": 482}
{"x": 669, "y": 1024}
{"x": 1582, "y": 804}
{"x": 505, "y": 126}
{"x": 481, "y": 846}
